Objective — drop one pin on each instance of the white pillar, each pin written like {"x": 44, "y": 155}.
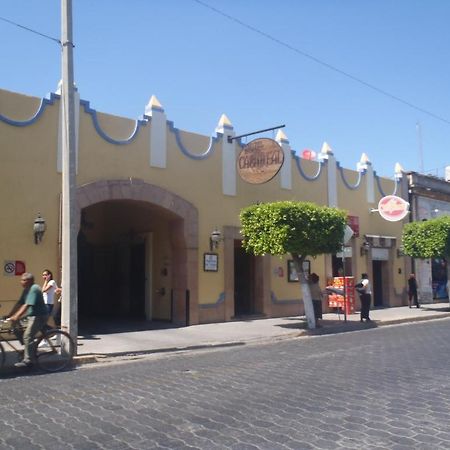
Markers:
{"x": 228, "y": 156}
{"x": 365, "y": 165}
{"x": 286, "y": 169}
{"x": 158, "y": 133}
{"x": 327, "y": 154}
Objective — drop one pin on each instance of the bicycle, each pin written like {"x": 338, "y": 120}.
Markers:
{"x": 53, "y": 349}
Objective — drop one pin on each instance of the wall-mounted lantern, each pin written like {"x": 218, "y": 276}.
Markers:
{"x": 365, "y": 247}
{"x": 214, "y": 239}
{"x": 39, "y": 228}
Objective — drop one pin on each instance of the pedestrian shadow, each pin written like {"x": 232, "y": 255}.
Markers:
{"x": 435, "y": 308}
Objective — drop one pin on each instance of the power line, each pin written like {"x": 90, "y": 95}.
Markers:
{"x": 322, "y": 63}
{"x": 30, "y": 30}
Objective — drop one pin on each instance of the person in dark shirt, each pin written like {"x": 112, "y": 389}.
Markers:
{"x": 31, "y": 305}
{"x": 412, "y": 290}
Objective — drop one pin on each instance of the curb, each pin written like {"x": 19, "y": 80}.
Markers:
{"x": 336, "y": 328}
{"x": 345, "y": 327}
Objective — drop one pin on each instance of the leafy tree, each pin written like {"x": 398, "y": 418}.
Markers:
{"x": 428, "y": 239}
{"x": 300, "y": 228}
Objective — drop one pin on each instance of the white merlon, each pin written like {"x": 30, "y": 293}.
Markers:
{"x": 331, "y": 175}
{"x": 286, "y": 168}
{"x": 325, "y": 152}
{"x": 228, "y": 155}
{"x": 158, "y": 133}
{"x": 223, "y": 124}
{"x": 370, "y": 182}
{"x": 363, "y": 163}
{"x": 398, "y": 171}
{"x": 152, "y": 105}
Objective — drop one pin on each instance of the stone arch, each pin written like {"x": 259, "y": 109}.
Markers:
{"x": 183, "y": 233}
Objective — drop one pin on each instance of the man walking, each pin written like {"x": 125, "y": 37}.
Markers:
{"x": 412, "y": 290}
{"x": 31, "y": 305}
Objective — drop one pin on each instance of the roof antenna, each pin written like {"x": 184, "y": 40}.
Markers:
{"x": 419, "y": 141}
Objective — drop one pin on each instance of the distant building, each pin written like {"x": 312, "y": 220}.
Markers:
{"x": 429, "y": 197}
{"x": 158, "y": 216}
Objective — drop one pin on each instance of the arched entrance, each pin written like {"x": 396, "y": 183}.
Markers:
{"x": 137, "y": 253}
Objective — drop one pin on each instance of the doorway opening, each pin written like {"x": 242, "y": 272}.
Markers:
{"x": 120, "y": 244}
{"x": 379, "y": 283}
{"x": 244, "y": 282}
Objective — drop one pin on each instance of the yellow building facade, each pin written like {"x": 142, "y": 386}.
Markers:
{"x": 149, "y": 196}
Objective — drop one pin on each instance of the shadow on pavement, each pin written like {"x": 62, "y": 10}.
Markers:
{"x": 340, "y": 326}
{"x": 91, "y": 328}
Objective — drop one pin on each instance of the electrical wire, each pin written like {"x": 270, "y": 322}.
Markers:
{"x": 30, "y": 30}
{"x": 322, "y": 63}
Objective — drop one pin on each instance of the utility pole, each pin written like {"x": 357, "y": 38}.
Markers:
{"x": 69, "y": 319}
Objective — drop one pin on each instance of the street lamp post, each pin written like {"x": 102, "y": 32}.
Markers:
{"x": 69, "y": 320}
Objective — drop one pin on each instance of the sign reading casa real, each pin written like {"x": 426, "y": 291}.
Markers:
{"x": 260, "y": 160}
{"x": 393, "y": 208}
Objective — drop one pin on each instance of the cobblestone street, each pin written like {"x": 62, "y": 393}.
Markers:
{"x": 386, "y": 388}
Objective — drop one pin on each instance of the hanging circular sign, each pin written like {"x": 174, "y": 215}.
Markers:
{"x": 309, "y": 154}
{"x": 260, "y": 160}
{"x": 393, "y": 208}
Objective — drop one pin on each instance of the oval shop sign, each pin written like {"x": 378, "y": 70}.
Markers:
{"x": 393, "y": 208}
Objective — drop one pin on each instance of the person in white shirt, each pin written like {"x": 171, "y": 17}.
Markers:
{"x": 48, "y": 289}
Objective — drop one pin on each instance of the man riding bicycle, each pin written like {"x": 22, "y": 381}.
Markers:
{"x": 31, "y": 305}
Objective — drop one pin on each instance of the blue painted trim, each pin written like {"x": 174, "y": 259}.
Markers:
{"x": 380, "y": 189}
{"x": 218, "y": 302}
{"x": 303, "y": 174}
{"x": 208, "y": 152}
{"x": 275, "y": 301}
{"x": 102, "y": 134}
{"x": 347, "y": 184}
{"x": 24, "y": 123}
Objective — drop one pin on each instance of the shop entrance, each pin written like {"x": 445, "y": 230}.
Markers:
{"x": 378, "y": 283}
{"x": 244, "y": 284}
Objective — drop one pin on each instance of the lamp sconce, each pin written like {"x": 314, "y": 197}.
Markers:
{"x": 39, "y": 228}
{"x": 214, "y": 239}
{"x": 365, "y": 247}
{"x": 400, "y": 252}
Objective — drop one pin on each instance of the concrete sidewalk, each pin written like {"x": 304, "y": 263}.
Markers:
{"x": 130, "y": 344}
{"x": 103, "y": 346}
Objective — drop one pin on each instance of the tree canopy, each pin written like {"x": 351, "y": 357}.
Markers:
{"x": 299, "y": 228}
{"x": 427, "y": 239}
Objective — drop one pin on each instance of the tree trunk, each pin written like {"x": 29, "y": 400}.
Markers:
{"x": 306, "y": 292}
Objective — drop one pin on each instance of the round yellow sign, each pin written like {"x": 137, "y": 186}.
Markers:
{"x": 260, "y": 160}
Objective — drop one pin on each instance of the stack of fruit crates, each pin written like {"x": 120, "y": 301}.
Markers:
{"x": 337, "y": 301}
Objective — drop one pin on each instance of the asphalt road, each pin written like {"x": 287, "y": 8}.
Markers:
{"x": 382, "y": 388}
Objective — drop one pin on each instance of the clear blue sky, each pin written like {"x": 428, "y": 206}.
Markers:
{"x": 200, "y": 64}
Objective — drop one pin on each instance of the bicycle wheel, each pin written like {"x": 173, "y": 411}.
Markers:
{"x": 2, "y": 356}
{"x": 54, "y": 351}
